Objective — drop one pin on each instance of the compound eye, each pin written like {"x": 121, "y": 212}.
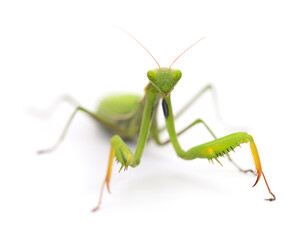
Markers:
{"x": 151, "y": 74}
{"x": 177, "y": 75}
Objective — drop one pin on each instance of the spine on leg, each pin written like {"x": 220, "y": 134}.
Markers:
{"x": 221, "y": 146}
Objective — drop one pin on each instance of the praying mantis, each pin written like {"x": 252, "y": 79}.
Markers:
{"x": 131, "y": 116}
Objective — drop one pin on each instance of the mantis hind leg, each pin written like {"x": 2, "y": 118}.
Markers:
{"x": 64, "y": 133}
{"x": 196, "y": 97}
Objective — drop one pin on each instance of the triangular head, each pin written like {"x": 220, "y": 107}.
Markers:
{"x": 164, "y": 79}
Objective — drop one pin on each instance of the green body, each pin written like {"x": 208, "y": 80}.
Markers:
{"x": 131, "y": 116}
{"x": 122, "y": 114}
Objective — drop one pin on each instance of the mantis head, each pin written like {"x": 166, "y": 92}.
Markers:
{"x": 164, "y": 79}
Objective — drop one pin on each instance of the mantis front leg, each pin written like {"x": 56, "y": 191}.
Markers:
{"x": 120, "y": 150}
{"x": 214, "y": 149}
{"x": 156, "y": 131}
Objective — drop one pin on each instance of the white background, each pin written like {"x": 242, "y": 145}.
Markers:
{"x": 254, "y": 56}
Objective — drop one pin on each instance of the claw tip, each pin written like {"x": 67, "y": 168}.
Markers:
{"x": 95, "y": 209}
{"x": 258, "y": 177}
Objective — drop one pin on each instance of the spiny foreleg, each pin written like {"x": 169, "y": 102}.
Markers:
{"x": 124, "y": 156}
{"x": 222, "y": 146}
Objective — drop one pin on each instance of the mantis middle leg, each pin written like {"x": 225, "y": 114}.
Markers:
{"x": 64, "y": 133}
{"x": 58, "y": 101}
{"x": 193, "y": 100}
{"x": 156, "y": 132}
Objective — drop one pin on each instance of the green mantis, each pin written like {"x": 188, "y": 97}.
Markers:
{"x": 132, "y": 116}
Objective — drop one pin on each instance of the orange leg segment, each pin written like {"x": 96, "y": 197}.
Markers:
{"x": 107, "y": 179}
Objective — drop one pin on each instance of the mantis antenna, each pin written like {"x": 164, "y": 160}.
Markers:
{"x": 186, "y": 50}
{"x": 140, "y": 44}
